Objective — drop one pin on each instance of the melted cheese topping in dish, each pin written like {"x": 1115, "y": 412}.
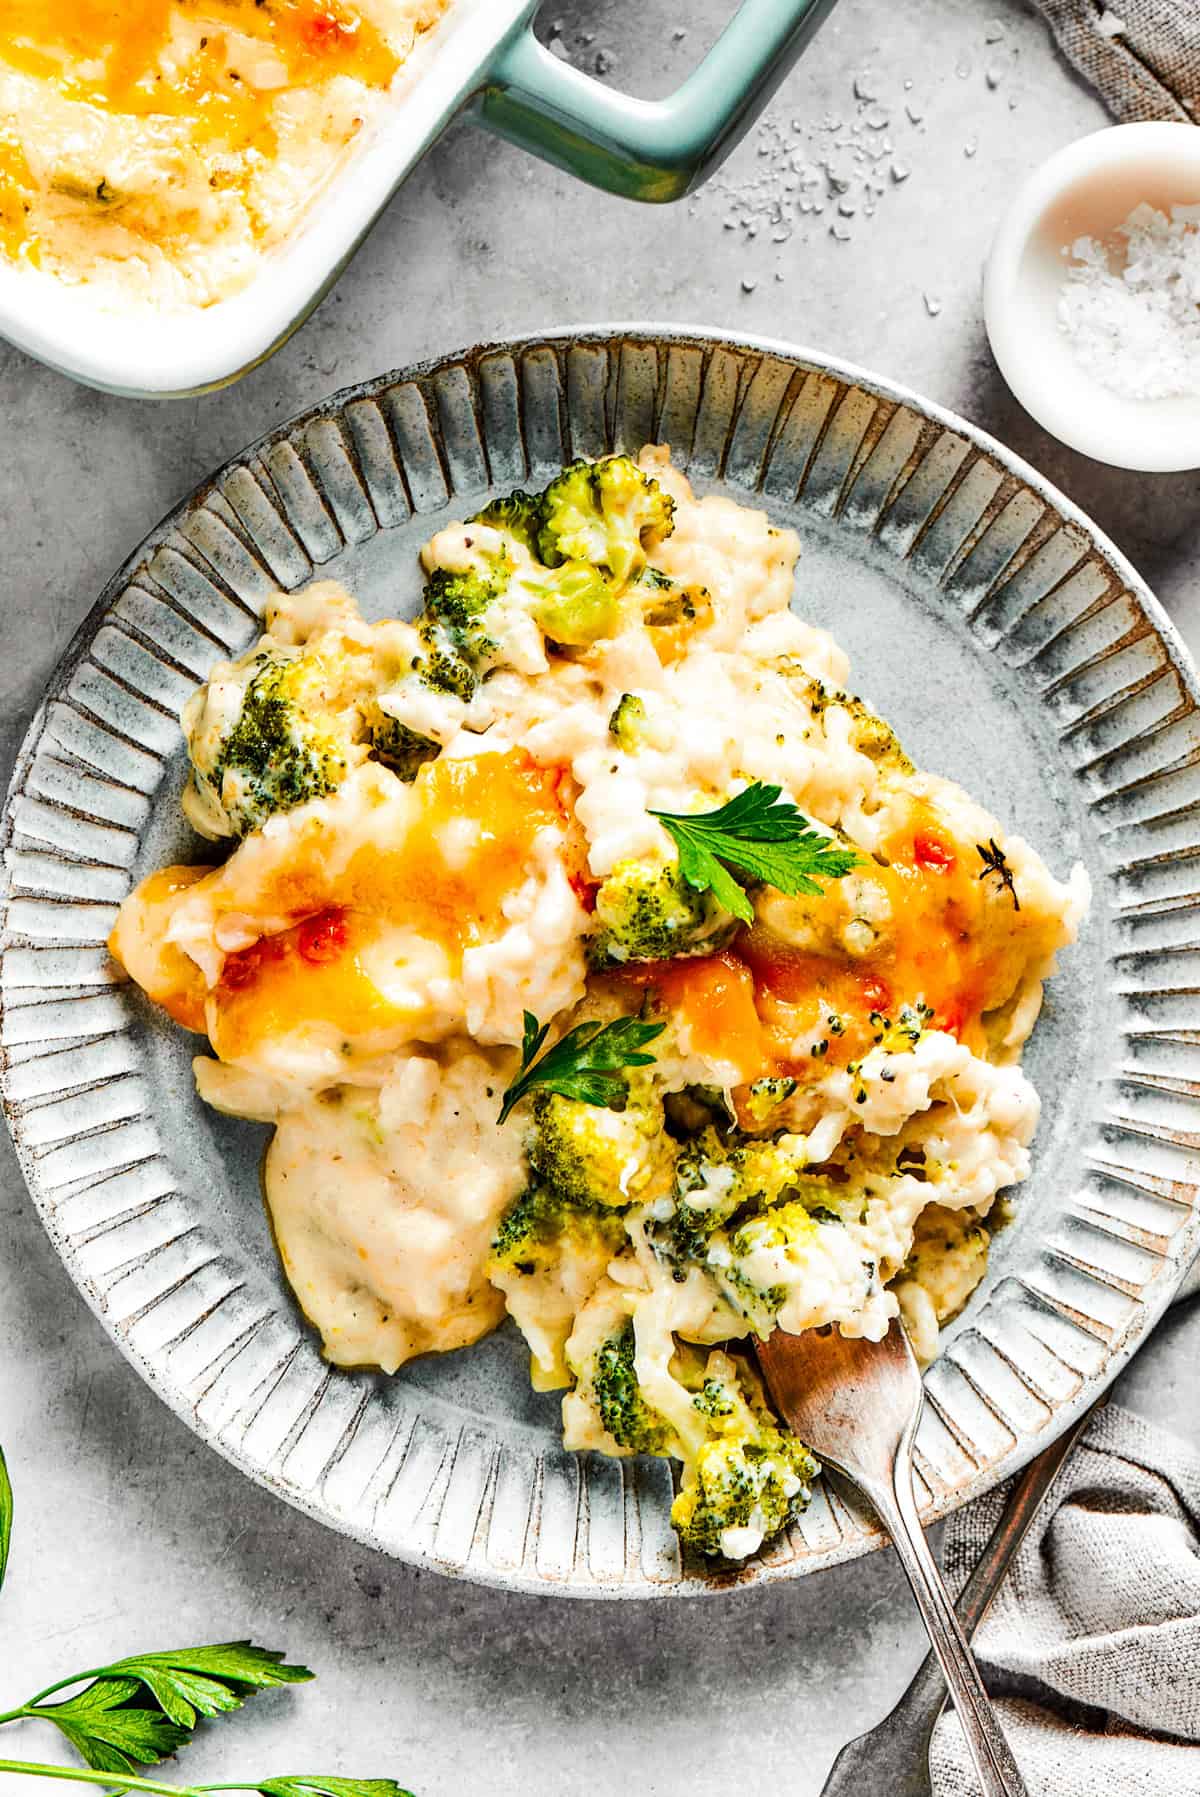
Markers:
{"x": 447, "y": 839}
{"x": 156, "y": 148}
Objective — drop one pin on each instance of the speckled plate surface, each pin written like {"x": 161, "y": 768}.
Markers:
{"x": 1010, "y": 644}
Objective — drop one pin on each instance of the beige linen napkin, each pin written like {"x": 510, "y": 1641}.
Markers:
{"x": 1092, "y": 1647}
{"x": 1142, "y": 56}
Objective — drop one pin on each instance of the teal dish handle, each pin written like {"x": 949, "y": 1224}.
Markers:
{"x": 647, "y": 149}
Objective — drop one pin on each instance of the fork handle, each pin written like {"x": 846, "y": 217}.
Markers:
{"x": 990, "y": 1753}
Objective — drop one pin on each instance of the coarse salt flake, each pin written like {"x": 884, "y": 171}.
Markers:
{"x": 1135, "y": 328}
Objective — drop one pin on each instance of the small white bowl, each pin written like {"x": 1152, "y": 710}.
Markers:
{"x": 1087, "y": 190}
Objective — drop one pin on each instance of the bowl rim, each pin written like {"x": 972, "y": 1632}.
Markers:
{"x": 1141, "y": 436}
{"x": 1152, "y": 1300}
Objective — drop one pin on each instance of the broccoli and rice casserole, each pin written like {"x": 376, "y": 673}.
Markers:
{"x": 157, "y": 149}
{"x": 600, "y": 959}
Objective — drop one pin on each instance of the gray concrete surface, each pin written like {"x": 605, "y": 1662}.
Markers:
{"x": 129, "y": 1533}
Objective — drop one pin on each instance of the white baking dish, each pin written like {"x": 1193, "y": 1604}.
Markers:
{"x": 484, "y": 55}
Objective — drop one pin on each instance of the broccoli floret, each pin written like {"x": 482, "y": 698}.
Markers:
{"x": 453, "y": 627}
{"x": 749, "y": 1477}
{"x": 625, "y": 724}
{"x": 457, "y": 642}
{"x": 574, "y": 605}
{"x": 519, "y": 514}
{"x": 620, "y": 1405}
{"x": 646, "y": 911}
{"x": 444, "y": 671}
{"x": 665, "y": 604}
{"x": 402, "y": 750}
{"x": 766, "y": 1255}
{"x": 456, "y": 606}
{"x": 283, "y": 748}
{"x": 548, "y": 1256}
{"x": 740, "y": 1490}
{"x": 870, "y": 735}
{"x": 750, "y": 1174}
{"x": 606, "y": 513}
{"x": 534, "y": 1227}
{"x": 596, "y": 1156}
{"x": 765, "y": 1097}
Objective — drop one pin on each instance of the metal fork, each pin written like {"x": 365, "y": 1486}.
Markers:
{"x": 856, "y": 1403}
{"x": 901, "y": 1739}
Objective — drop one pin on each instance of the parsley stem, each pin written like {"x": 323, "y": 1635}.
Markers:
{"x": 117, "y": 1781}
{"x": 76, "y": 1678}
{"x": 114, "y": 1780}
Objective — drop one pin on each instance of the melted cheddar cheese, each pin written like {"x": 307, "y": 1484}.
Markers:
{"x": 159, "y": 147}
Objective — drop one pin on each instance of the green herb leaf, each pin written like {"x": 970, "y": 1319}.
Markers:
{"x": 331, "y": 1787}
{"x": 141, "y": 1709}
{"x": 761, "y": 835}
{"x": 585, "y": 1064}
{"x": 109, "y": 1726}
{"x": 6, "y": 1515}
{"x": 191, "y": 1682}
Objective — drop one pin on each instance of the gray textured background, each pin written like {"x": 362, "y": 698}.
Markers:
{"x": 129, "y": 1533}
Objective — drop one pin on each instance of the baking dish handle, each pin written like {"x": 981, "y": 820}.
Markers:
{"x": 647, "y": 149}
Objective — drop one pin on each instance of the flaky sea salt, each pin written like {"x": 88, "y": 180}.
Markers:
{"x": 1134, "y": 325}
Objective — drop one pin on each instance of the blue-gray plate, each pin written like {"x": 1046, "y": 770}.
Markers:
{"x": 1014, "y": 649}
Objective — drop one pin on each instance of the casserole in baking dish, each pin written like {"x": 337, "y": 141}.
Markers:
{"x": 182, "y": 180}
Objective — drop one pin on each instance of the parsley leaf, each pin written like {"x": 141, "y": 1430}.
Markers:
{"x": 146, "y": 1706}
{"x": 584, "y": 1064}
{"x": 6, "y": 1515}
{"x": 109, "y": 1726}
{"x": 191, "y": 1682}
{"x": 331, "y": 1787}
{"x": 763, "y": 837}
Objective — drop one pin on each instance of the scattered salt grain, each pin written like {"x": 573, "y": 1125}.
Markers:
{"x": 1135, "y": 327}
{"x": 933, "y": 304}
{"x": 1110, "y": 24}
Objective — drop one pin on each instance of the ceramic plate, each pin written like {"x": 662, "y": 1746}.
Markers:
{"x": 1014, "y": 649}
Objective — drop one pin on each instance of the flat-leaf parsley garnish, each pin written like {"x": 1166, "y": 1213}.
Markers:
{"x": 586, "y": 1064}
{"x": 994, "y": 863}
{"x": 142, "y": 1709}
{"x": 763, "y": 837}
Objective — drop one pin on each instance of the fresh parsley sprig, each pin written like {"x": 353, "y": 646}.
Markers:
{"x": 308, "y": 1785}
{"x": 140, "y": 1710}
{"x": 585, "y": 1064}
{"x": 761, "y": 835}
